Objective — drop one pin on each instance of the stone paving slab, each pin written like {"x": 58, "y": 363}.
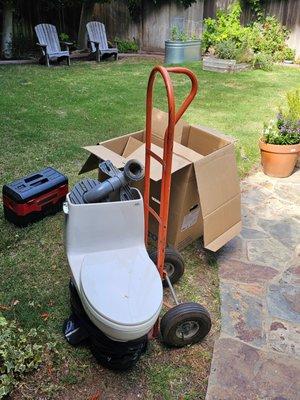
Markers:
{"x": 243, "y": 372}
{"x": 258, "y": 353}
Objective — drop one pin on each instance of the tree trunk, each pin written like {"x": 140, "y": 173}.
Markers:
{"x": 85, "y": 17}
{"x": 7, "y": 31}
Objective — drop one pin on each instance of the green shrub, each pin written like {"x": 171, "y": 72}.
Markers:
{"x": 19, "y": 354}
{"x": 266, "y": 37}
{"x": 126, "y": 46}
{"x": 286, "y": 128}
{"x": 289, "y": 54}
{"x": 245, "y": 53}
{"x": 64, "y": 37}
{"x": 263, "y": 61}
{"x": 227, "y": 50}
{"x": 225, "y": 26}
{"x": 269, "y": 36}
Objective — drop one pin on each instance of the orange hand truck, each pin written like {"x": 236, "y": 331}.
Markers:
{"x": 186, "y": 323}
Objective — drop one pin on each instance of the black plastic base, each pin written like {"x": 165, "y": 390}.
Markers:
{"x": 73, "y": 331}
{"x": 110, "y": 353}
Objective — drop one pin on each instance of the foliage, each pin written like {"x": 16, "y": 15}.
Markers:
{"x": 179, "y": 35}
{"x": 293, "y": 103}
{"x": 269, "y": 36}
{"x": 64, "y": 37}
{"x": 263, "y": 61}
{"x": 289, "y": 54}
{"x": 126, "y": 46}
{"x": 256, "y": 6}
{"x": 21, "y": 45}
{"x": 19, "y": 354}
{"x": 281, "y": 132}
{"x": 135, "y": 6}
{"x": 265, "y": 38}
{"x": 227, "y": 50}
{"x": 225, "y": 26}
{"x": 286, "y": 128}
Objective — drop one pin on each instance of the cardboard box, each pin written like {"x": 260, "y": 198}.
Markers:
{"x": 205, "y": 190}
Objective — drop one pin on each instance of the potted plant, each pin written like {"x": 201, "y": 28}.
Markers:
{"x": 182, "y": 47}
{"x": 280, "y": 143}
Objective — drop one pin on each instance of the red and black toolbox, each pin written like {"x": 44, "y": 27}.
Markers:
{"x": 33, "y": 197}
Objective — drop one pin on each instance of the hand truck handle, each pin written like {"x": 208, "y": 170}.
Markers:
{"x": 166, "y": 161}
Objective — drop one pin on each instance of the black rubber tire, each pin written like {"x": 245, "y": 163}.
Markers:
{"x": 174, "y": 258}
{"x": 185, "y": 313}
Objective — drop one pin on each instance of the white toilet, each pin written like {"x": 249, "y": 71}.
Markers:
{"x": 118, "y": 284}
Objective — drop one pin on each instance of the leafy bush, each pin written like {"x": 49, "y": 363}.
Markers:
{"x": 263, "y": 61}
{"x": 126, "y": 46}
{"x": 269, "y": 37}
{"x": 64, "y": 37}
{"x": 289, "y": 54}
{"x": 226, "y": 26}
{"x": 265, "y": 38}
{"x": 227, "y": 50}
{"x": 19, "y": 354}
{"x": 286, "y": 128}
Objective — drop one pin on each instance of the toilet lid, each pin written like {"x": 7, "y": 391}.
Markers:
{"x": 122, "y": 286}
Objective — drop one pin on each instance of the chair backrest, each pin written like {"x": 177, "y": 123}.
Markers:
{"x": 97, "y": 33}
{"x": 47, "y": 34}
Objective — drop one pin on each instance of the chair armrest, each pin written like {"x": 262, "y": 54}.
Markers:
{"x": 67, "y": 43}
{"x": 42, "y": 45}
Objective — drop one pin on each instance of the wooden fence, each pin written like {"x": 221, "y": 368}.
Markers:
{"x": 28, "y": 14}
{"x": 153, "y": 26}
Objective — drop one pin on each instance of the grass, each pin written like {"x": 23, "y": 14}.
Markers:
{"x": 46, "y": 116}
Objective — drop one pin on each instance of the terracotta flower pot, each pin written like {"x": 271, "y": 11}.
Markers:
{"x": 278, "y": 160}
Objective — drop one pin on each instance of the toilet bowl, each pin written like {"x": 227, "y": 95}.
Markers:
{"x": 118, "y": 284}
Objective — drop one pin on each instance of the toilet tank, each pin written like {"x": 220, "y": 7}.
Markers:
{"x": 103, "y": 226}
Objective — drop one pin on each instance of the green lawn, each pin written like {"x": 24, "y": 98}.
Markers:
{"x": 46, "y": 115}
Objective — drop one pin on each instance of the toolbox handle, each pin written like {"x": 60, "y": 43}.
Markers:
{"x": 35, "y": 180}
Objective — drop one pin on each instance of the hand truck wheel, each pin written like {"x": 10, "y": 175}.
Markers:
{"x": 174, "y": 264}
{"x": 184, "y": 324}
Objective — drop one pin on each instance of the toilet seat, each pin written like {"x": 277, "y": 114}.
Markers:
{"x": 121, "y": 292}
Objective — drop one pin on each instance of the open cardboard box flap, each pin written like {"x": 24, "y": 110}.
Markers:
{"x": 210, "y": 153}
{"x": 135, "y": 149}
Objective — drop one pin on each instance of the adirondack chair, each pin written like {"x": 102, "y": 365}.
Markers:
{"x": 98, "y": 40}
{"x": 50, "y": 45}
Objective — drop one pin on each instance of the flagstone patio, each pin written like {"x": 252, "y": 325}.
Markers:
{"x": 258, "y": 353}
